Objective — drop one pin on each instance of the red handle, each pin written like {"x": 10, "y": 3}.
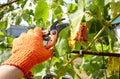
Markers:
{"x": 53, "y": 39}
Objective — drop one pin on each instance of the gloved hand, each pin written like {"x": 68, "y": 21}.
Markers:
{"x": 28, "y": 50}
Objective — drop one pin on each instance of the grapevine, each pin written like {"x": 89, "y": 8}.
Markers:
{"x": 91, "y": 22}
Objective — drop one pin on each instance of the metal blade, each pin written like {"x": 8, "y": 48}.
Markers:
{"x": 54, "y": 25}
{"x": 61, "y": 26}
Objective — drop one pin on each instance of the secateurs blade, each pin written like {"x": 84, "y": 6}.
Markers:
{"x": 51, "y": 35}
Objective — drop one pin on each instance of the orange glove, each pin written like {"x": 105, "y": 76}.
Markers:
{"x": 28, "y": 50}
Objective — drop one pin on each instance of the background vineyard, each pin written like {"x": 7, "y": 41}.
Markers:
{"x": 99, "y": 14}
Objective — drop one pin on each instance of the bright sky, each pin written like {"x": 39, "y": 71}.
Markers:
{"x": 3, "y": 1}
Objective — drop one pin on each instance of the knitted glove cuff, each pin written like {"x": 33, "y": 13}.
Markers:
{"x": 24, "y": 61}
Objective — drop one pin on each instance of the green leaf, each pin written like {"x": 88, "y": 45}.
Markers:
{"x": 3, "y": 25}
{"x": 2, "y": 46}
{"x": 95, "y": 11}
{"x": 54, "y": 5}
{"x": 101, "y": 48}
{"x": 21, "y": 3}
{"x": 37, "y": 77}
{"x": 115, "y": 7}
{"x": 2, "y": 13}
{"x": 4, "y": 55}
{"x": 26, "y": 14}
{"x": 11, "y": 7}
{"x": 58, "y": 63}
{"x": 114, "y": 76}
{"x": 81, "y": 4}
{"x": 76, "y": 1}
{"x": 72, "y": 8}
{"x": 9, "y": 41}
{"x": 92, "y": 64}
{"x": 94, "y": 25}
{"x": 111, "y": 40}
{"x": 79, "y": 13}
{"x": 42, "y": 10}
{"x": 2, "y": 38}
{"x": 96, "y": 14}
{"x": 100, "y": 3}
{"x": 62, "y": 45}
{"x": 70, "y": 70}
{"x": 87, "y": 58}
{"x": 59, "y": 2}
{"x": 38, "y": 68}
{"x": 18, "y": 20}
{"x": 58, "y": 12}
{"x": 98, "y": 75}
{"x": 2, "y": 42}
{"x": 105, "y": 13}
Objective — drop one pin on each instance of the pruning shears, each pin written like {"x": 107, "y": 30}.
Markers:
{"x": 51, "y": 35}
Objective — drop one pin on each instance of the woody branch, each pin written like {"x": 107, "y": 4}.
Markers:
{"x": 7, "y": 4}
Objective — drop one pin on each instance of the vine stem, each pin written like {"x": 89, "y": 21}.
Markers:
{"x": 98, "y": 34}
{"x": 103, "y": 58}
{"x": 89, "y": 46}
{"x": 95, "y": 38}
{"x": 119, "y": 69}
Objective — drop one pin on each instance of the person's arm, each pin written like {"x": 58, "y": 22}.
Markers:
{"x": 10, "y": 72}
{"x": 27, "y": 51}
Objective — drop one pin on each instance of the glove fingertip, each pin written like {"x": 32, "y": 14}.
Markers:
{"x": 38, "y": 31}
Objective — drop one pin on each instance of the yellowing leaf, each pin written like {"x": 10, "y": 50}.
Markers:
{"x": 71, "y": 43}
